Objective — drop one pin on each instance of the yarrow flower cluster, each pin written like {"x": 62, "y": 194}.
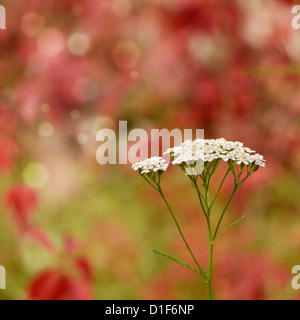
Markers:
{"x": 154, "y": 164}
{"x": 208, "y": 150}
{"x": 199, "y": 160}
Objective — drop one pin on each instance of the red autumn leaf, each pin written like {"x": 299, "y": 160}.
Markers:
{"x": 55, "y": 285}
{"x": 40, "y": 236}
{"x": 84, "y": 266}
{"x": 49, "y": 285}
{"x": 23, "y": 202}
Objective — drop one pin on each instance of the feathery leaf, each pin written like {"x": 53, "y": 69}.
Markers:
{"x": 230, "y": 226}
{"x": 182, "y": 263}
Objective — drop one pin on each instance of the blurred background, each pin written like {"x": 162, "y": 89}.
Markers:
{"x": 73, "y": 229}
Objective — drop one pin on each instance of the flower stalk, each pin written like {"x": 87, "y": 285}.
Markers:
{"x": 199, "y": 159}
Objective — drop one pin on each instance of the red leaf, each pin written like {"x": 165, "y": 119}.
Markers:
{"x": 23, "y": 201}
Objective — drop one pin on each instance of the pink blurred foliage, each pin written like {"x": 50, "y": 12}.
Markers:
{"x": 206, "y": 17}
{"x": 245, "y": 277}
{"x": 8, "y": 149}
{"x": 73, "y": 280}
{"x": 54, "y": 284}
{"x": 23, "y": 202}
{"x": 237, "y": 276}
{"x": 117, "y": 249}
{"x": 39, "y": 236}
{"x": 161, "y": 287}
{"x": 8, "y": 145}
{"x": 210, "y": 93}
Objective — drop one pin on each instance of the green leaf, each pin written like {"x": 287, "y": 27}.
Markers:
{"x": 230, "y": 226}
{"x": 182, "y": 263}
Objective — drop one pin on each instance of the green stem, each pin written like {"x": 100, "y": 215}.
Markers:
{"x": 210, "y": 265}
{"x": 207, "y": 196}
{"x": 211, "y": 243}
{"x": 211, "y": 239}
{"x": 181, "y": 233}
{"x": 236, "y": 187}
{"x": 200, "y": 199}
{"x": 210, "y": 261}
{"x": 220, "y": 187}
{"x": 149, "y": 182}
{"x": 223, "y": 212}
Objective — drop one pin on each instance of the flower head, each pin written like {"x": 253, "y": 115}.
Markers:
{"x": 189, "y": 152}
{"x": 208, "y": 150}
{"x": 154, "y": 164}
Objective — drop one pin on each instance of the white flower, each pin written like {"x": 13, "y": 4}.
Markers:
{"x": 202, "y": 150}
{"x": 208, "y": 150}
{"x": 258, "y": 160}
{"x": 188, "y": 153}
{"x": 151, "y": 164}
